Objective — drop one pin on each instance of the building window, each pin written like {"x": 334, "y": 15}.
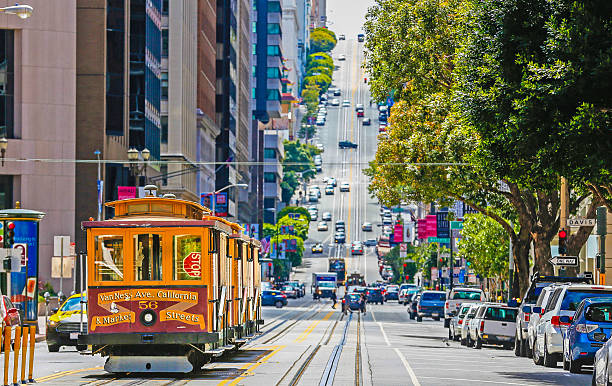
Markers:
{"x": 254, "y": 29}
{"x": 274, "y": 51}
{"x": 272, "y": 95}
{"x": 115, "y": 58}
{"x": 6, "y": 192}
{"x": 253, "y": 93}
{"x": 269, "y": 153}
{"x": 254, "y": 49}
{"x": 7, "y": 76}
{"x": 274, "y": 6}
{"x": 273, "y": 73}
{"x": 269, "y": 177}
{"x": 164, "y": 42}
{"x": 164, "y": 85}
{"x": 274, "y": 28}
{"x": 165, "y": 7}
{"x": 164, "y": 128}
{"x": 254, "y": 71}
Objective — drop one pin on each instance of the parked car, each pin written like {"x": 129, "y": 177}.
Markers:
{"x": 337, "y": 92}
{"x": 548, "y": 347}
{"x": 412, "y": 305}
{"x": 465, "y": 325}
{"x": 374, "y": 295}
{"x": 347, "y": 144}
{"x": 317, "y": 248}
{"x": 522, "y": 346}
{"x": 589, "y": 330}
{"x": 64, "y": 326}
{"x": 392, "y": 292}
{"x": 273, "y": 298}
{"x": 454, "y": 329}
{"x": 360, "y": 37}
{"x": 341, "y": 37}
{"x": 458, "y": 296}
{"x": 534, "y": 317}
{"x": 602, "y": 367}
{"x": 345, "y": 187}
{"x": 290, "y": 292}
{"x": 366, "y": 121}
{"x": 322, "y": 227}
{"x": 402, "y": 296}
{"x": 494, "y": 324}
{"x": 431, "y": 305}
{"x": 342, "y": 57}
{"x": 366, "y": 227}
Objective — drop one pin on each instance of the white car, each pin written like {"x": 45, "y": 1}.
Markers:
{"x": 327, "y": 216}
{"x": 494, "y": 324}
{"x": 335, "y": 102}
{"x": 534, "y": 317}
{"x": 346, "y": 103}
{"x": 322, "y": 227}
{"x": 345, "y": 187}
{"x": 465, "y": 325}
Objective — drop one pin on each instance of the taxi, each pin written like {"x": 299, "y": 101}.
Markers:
{"x": 317, "y": 248}
{"x": 64, "y": 325}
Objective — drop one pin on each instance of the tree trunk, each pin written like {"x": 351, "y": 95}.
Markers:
{"x": 520, "y": 253}
{"x": 541, "y": 243}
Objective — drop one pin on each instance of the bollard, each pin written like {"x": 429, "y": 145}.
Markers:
{"x": 7, "y": 353}
{"x": 16, "y": 346}
{"x": 32, "y": 344}
{"x": 24, "y": 350}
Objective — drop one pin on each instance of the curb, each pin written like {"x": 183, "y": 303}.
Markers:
{"x": 40, "y": 338}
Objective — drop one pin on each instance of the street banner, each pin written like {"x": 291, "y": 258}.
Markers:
{"x": 431, "y": 226}
{"x": 126, "y": 192}
{"x": 434, "y": 273}
{"x": 398, "y": 233}
{"x": 442, "y": 224}
{"x": 422, "y": 228}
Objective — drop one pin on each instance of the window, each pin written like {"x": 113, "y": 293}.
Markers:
{"x": 274, "y": 51}
{"x": 164, "y": 51}
{"x": 501, "y": 314}
{"x": 73, "y": 304}
{"x": 254, "y": 29}
{"x": 471, "y": 295}
{"x": 599, "y": 313}
{"x": 272, "y": 95}
{"x": 108, "y": 258}
{"x": 6, "y": 192}
{"x": 165, "y": 7}
{"x": 115, "y": 57}
{"x": 147, "y": 257}
{"x": 253, "y": 93}
{"x": 273, "y": 73}
{"x": 274, "y": 6}
{"x": 187, "y": 255}
{"x": 164, "y": 128}
{"x": 269, "y": 153}
{"x": 7, "y": 84}
{"x": 164, "y": 85}
{"x": 254, "y": 49}
{"x": 274, "y": 28}
{"x": 269, "y": 177}
{"x": 254, "y": 70}
{"x": 573, "y": 298}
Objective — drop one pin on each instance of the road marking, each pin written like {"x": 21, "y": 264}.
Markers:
{"x": 303, "y": 336}
{"x": 64, "y": 373}
{"x": 477, "y": 381}
{"x": 413, "y": 377}
{"x": 250, "y": 367}
{"x": 384, "y": 333}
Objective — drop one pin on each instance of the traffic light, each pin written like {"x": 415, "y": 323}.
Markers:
{"x": 9, "y": 237}
{"x": 405, "y": 265}
{"x": 407, "y": 277}
{"x": 562, "y": 242}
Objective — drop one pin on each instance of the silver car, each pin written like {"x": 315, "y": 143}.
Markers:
{"x": 602, "y": 370}
{"x": 454, "y": 329}
{"x": 535, "y": 313}
{"x": 465, "y": 323}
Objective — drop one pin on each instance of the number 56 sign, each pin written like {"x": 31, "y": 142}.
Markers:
{"x": 192, "y": 264}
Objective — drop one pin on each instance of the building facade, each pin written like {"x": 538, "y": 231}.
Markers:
{"x": 273, "y": 152}
{"x": 37, "y": 116}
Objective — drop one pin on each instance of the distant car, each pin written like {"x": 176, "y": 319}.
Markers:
{"x": 341, "y": 37}
{"x": 360, "y": 114}
{"x": 320, "y": 146}
{"x": 366, "y": 122}
{"x": 459, "y": 296}
{"x": 359, "y": 106}
{"x": 353, "y": 301}
{"x": 337, "y": 92}
{"x": 340, "y": 225}
{"x": 360, "y": 37}
{"x": 316, "y": 189}
{"x": 392, "y": 292}
{"x": 332, "y": 181}
{"x": 314, "y": 216}
{"x": 382, "y": 118}
{"x": 322, "y": 227}
{"x": 374, "y": 295}
{"x": 320, "y": 122}
{"x": 370, "y": 243}
{"x": 357, "y": 249}
{"x": 412, "y": 305}
{"x": 366, "y": 227}
{"x": 346, "y": 103}
{"x": 495, "y": 325}
{"x": 465, "y": 325}
{"x": 347, "y": 144}
{"x": 345, "y": 187}
{"x": 329, "y": 190}
{"x": 313, "y": 198}
{"x": 342, "y": 57}
{"x": 290, "y": 292}
{"x": 340, "y": 237}
{"x": 327, "y": 216}
{"x": 335, "y": 102}
{"x": 317, "y": 248}
{"x": 273, "y": 298}
{"x": 382, "y": 128}
{"x": 431, "y": 304}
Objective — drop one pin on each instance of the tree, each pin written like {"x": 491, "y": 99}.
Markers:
{"x": 321, "y": 80}
{"x": 298, "y": 158}
{"x": 294, "y": 209}
{"x": 320, "y": 70}
{"x": 319, "y": 59}
{"x": 321, "y": 41}
{"x": 289, "y": 184}
{"x": 326, "y": 31}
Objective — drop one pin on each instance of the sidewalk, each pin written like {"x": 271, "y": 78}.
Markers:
{"x": 42, "y": 329}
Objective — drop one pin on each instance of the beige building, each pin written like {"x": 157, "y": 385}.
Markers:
{"x": 37, "y": 116}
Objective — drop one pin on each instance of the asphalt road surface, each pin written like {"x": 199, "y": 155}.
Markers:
{"x": 309, "y": 342}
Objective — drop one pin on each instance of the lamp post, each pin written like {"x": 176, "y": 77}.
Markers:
{"x": 133, "y": 156}
{"x": 214, "y": 195}
{"x": 22, "y": 11}
{"x": 3, "y": 147}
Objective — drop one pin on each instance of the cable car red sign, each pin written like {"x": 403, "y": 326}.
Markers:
{"x": 192, "y": 264}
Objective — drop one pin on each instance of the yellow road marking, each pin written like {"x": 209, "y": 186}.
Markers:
{"x": 355, "y": 87}
{"x": 64, "y": 373}
{"x": 250, "y": 367}
{"x": 302, "y": 337}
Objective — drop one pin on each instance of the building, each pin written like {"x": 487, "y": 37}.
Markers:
{"x": 273, "y": 152}
{"x": 37, "y": 117}
{"x": 118, "y": 99}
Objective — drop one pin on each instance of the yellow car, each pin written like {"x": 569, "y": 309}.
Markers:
{"x": 317, "y": 248}
{"x": 63, "y": 327}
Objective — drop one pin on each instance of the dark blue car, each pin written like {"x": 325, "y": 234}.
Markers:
{"x": 587, "y": 333}
{"x": 431, "y": 305}
{"x": 353, "y": 301}
{"x": 374, "y": 295}
{"x": 273, "y": 298}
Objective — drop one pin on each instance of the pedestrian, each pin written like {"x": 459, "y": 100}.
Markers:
{"x": 334, "y": 299}
{"x": 317, "y": 294}
{"x": 362, "y": 304}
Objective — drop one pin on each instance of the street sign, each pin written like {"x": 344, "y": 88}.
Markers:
{"x": 456, "y": 224}
{"x": 564, "y": 261}
{"x": 440, "y": 240}
{"x": 444, "y": 254}
{"x": 581, "y": 222}
{"x": 456, "y": 233}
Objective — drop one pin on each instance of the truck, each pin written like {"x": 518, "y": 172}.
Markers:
{"x": 459, "y": 296}
{"x": 337, "y": 265}
{"x": 324, "y": 284}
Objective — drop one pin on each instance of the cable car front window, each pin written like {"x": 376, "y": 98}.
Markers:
{"x": 108, "y": 259}
{"x": 148, "y": 257}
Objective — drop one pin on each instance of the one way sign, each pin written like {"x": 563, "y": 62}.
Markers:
{"x": 564, "y": 261}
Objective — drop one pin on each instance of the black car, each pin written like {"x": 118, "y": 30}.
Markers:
{"x": 353, "y": 301}
{"x": 374, "y": 295}
{"x": 382, "y": 118}
{"x": 360, "y": 37}
{"x": 340, "y": 237}
{"x": 347, "y": 144}
{"x": 366, "y": 122}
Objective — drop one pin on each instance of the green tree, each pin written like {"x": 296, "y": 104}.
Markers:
{"x": 321, "y": 41}
{"x": 298, "y": 158}
{"x": 288, "y": 186}
{"x": 321, "y": 80}
{"x": 327, "y": 31}
{"x": 294, "y": 209}
{"x": 319, "y": 59}
{"x": 320, "y": 70}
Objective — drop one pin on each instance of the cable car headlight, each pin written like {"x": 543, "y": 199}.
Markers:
{"x": 148, "y": 317}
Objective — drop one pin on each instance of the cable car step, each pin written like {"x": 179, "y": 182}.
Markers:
{"x": 216, "y": 352}
{"x": 240, "y": 341}
{"x": 148, "y": 364}
{"x": 228, "y": 347}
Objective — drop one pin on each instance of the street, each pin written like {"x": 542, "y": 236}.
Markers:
{"x": 308, "y": 342}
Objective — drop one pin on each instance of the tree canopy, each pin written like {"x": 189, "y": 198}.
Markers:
{"x": 322, "y": 40}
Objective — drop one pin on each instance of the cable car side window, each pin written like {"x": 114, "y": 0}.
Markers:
{"x": 187, "y": 257}
{"x": 147, "y": 257}
{"x": 108, "y": 259}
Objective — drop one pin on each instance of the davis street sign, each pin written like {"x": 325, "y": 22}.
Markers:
{"x": 581, "y": 222}
{"x": 564, "y": 261}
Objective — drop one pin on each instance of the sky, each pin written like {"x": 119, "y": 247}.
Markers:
{"x": 347, "y": 16}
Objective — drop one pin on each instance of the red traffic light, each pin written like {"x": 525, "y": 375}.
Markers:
{"x": 270, "y": 265}
{"x": 405, "y": 265}
{"x": 562, "y": 234}
{"x": 407, "y": 277}
{"x": 441, "y": 260}
{"x": 10, "y": 225}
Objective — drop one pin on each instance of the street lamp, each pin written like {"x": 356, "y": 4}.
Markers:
{"x": 135, "y": 169}
{"x": 3, "y": 147}
{"x": 214, "y": 195}
{"x": 23, "y": 11}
